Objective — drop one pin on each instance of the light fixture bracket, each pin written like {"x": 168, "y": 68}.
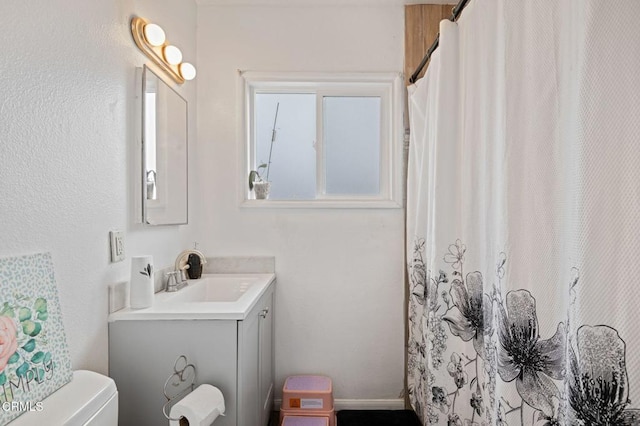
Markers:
{"x": 153, "y": 52}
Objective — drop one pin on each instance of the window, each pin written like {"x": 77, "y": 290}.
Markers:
{"x": 323, "y": 140}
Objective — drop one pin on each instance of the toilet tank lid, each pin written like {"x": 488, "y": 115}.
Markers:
{"x": 74, "y": 403}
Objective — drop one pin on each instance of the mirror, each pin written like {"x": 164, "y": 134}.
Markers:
{"x": 164, "y": 153}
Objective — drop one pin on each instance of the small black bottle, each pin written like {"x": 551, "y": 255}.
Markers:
{"x": 195, "y": 266}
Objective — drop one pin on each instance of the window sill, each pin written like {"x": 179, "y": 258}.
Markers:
{"x": 320, "y": 204}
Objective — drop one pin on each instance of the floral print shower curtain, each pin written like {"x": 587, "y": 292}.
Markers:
{"x": 523, "y": 205}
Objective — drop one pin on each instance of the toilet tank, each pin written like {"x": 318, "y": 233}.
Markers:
{"x": 90, "y": 399}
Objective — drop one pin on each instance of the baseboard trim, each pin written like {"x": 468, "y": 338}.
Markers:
{"x": 361, "y": 404}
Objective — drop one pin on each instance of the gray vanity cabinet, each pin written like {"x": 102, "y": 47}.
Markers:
{"x": 234, "y": 355}
{"x": 255, "y": 364}
{"x": 266, "y": 363}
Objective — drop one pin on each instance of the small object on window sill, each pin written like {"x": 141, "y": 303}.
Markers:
{"x": 262, "y": 190}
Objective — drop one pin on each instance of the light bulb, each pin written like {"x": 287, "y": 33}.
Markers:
{"x": 187, "y": 71}
{"x": 154, "y": 34}
{"x": 172, "y": 54}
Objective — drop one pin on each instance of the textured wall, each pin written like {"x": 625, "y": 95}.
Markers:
{"x": 339, "y": 298}
{"x": 66, "y": 144}
{"x": 66, "y": 164}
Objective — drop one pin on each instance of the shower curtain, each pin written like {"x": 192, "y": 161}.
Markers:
{"x": 523, "y": 217}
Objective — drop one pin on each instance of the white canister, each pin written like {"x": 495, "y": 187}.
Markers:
{"x": 141, "y": 283}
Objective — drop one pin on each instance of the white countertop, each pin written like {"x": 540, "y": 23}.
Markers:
{"x": 168, "y": 306}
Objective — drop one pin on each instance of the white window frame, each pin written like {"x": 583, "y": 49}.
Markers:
{"x": 387, "y": 86}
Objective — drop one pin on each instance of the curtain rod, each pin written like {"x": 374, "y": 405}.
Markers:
{"x": 455, "y": 13}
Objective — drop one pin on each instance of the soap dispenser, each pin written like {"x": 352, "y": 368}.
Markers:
{"x": 195, "y": 266}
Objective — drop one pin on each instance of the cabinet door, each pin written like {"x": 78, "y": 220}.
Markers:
{"x": 142, "y": 355}
{"x": 266, "y": 360}
{"x": 255, "y": 363}
{"x": 248, "y": 375}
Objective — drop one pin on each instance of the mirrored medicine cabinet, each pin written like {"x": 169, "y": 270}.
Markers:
{"x": 164, "y": 152}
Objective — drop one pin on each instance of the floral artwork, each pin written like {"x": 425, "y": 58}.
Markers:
{"x": 19, "y": 345}
{"x": 34, "y": 358}
{"x": 511, "y": 375}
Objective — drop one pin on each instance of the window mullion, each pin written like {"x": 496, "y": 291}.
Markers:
{"x": 321, "y": 177}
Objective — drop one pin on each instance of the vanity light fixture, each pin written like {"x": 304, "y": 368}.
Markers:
{"x": 187, "y": 71}
{"x": 172, "y": 54}
{"x": 154, "y": 34}
{"x": 151, "y": 39}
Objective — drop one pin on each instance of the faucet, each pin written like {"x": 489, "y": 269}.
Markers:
{"x": 172, "y": 282}
{"x": 177, "y": 278}
{"x": 181, "y": 262}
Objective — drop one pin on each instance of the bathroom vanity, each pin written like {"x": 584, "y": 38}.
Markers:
{"x": 222, "y": 323}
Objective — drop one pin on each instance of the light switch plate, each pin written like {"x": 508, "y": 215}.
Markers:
{"x": 117, "y": 246}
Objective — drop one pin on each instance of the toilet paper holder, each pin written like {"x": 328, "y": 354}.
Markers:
{"x": 183, "y": 373}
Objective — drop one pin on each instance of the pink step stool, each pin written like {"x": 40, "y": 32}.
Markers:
{"x": 305, "y": 421}
{"x": 328, "y": 416}
{"x": 307, "y": 393}
{"x": 309, "y": 397}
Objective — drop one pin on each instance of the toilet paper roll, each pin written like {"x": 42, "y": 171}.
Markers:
{"x": 200, "y": 408}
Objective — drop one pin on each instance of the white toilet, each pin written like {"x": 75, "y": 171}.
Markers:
{"x": 90, "y": 399}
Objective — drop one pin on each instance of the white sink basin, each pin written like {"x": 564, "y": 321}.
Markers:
{"x": 214, "y": 296}
{"x": 212, "y": 289}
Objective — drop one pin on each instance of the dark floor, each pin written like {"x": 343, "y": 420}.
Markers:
{"x": 368, "y": 418}
{"x": 377, "y": 418}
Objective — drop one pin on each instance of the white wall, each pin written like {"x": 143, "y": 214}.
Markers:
{"x": 66, "y": 135}
{"x": 340, "y": 283}
{"x": 66, "y": 143}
